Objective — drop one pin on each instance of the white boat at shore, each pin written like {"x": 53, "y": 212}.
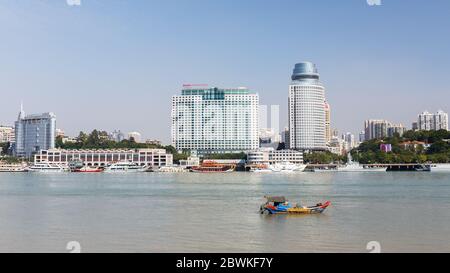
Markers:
{"x": 261, "y": 170}
{"x": 444, "y": 167}
{"x": 171, "y": 169}
{"x": 48, "y": 168}
{"x": 125, "y": 167}
{"x": 287, "y": 167}
{"x": 13, "y": 168}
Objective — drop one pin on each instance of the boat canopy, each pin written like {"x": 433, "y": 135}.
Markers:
{"x": 276, "y": 199}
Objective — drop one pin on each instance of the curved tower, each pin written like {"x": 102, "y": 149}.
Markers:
{"x": 307, "y": 127}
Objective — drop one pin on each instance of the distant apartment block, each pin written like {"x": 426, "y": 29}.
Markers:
{"x": 7, "y": 134}
{"x": 379, "y": 128}
{"x": 432, "y": 122}
{"x": 215, "y": 120}
{"x": 394, "y": 129}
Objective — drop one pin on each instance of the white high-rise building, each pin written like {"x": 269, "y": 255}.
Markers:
{"x": 349, "y": 141}
{"x": 213, "y": 120}
{"x": 432, "y": 122}
{"x": 34, "y": 133}
{"x": 307, "y": 120}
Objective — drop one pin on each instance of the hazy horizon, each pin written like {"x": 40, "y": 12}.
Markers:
{"x": 116, "y": 64}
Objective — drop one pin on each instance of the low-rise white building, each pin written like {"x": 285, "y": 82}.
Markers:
{"x": 272, "y": 156}
{"x": 100, "y": 158}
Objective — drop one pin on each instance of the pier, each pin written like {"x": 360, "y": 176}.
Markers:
{"x": 401, "y": 166}
{"x": 389, "y": 167}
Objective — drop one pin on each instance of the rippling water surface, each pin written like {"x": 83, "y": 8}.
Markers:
{"x": 189, "y": 212}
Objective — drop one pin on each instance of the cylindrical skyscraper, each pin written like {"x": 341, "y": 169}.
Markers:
{"x": 307, "y": 127}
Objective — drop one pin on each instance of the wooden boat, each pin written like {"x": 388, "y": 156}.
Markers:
{"x": 279, "y": 205}
{"x": 212, "y": 167}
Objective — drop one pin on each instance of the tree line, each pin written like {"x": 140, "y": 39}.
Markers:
{"x": 438, "y": 151}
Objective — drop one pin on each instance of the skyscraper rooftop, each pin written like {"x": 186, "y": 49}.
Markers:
{"x": 305, "y": 71}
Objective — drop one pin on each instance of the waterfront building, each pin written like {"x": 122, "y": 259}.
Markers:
{"x": 307, "y": 128}
{"x": 432, "y": 122}
{"x": 102, "y": 158}
{"x": 272, "y": 156}
{"x": 214, "y": 120}
{"x": 328, "y": 132}
{"x": 7, "y": 134}
{"x": 34, "y": 133}
{"x": 136, "y": 136}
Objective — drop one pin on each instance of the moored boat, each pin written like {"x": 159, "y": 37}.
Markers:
{"x": 48, "y": 168}
{"x": 87, "y": 169}
{"x": 287, "y": 167}
{"x": 125, "y": 167}
{"x": 13, "y": 168}
{"x": 352, "y": 166}
{"x": 279, "y": 205}
{"x": 212, "y": 167}
{"x": 440, "y": 167}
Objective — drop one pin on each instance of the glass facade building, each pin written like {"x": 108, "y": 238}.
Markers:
{"x": 213, "y": 120}
{"x": 34, "y": 133}
{"x": 307, "y": 118}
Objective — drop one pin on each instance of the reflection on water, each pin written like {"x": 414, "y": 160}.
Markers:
{"x": 153, "y": 212}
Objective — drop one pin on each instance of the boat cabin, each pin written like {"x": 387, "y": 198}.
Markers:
{"x": 276, "y": 200}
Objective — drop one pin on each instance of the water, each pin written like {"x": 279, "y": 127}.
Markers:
{"x": 187, "y": 212}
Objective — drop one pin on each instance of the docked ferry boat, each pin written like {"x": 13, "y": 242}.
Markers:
{"x": 48, "y": 168}
{"x": 212, "y": 167}
{"x": 125, "y": 167}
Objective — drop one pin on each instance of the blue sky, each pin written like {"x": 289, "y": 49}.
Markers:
{"x": 114, "y": 64}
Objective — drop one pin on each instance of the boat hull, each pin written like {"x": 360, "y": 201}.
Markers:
{"x": 268, "y": 209}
